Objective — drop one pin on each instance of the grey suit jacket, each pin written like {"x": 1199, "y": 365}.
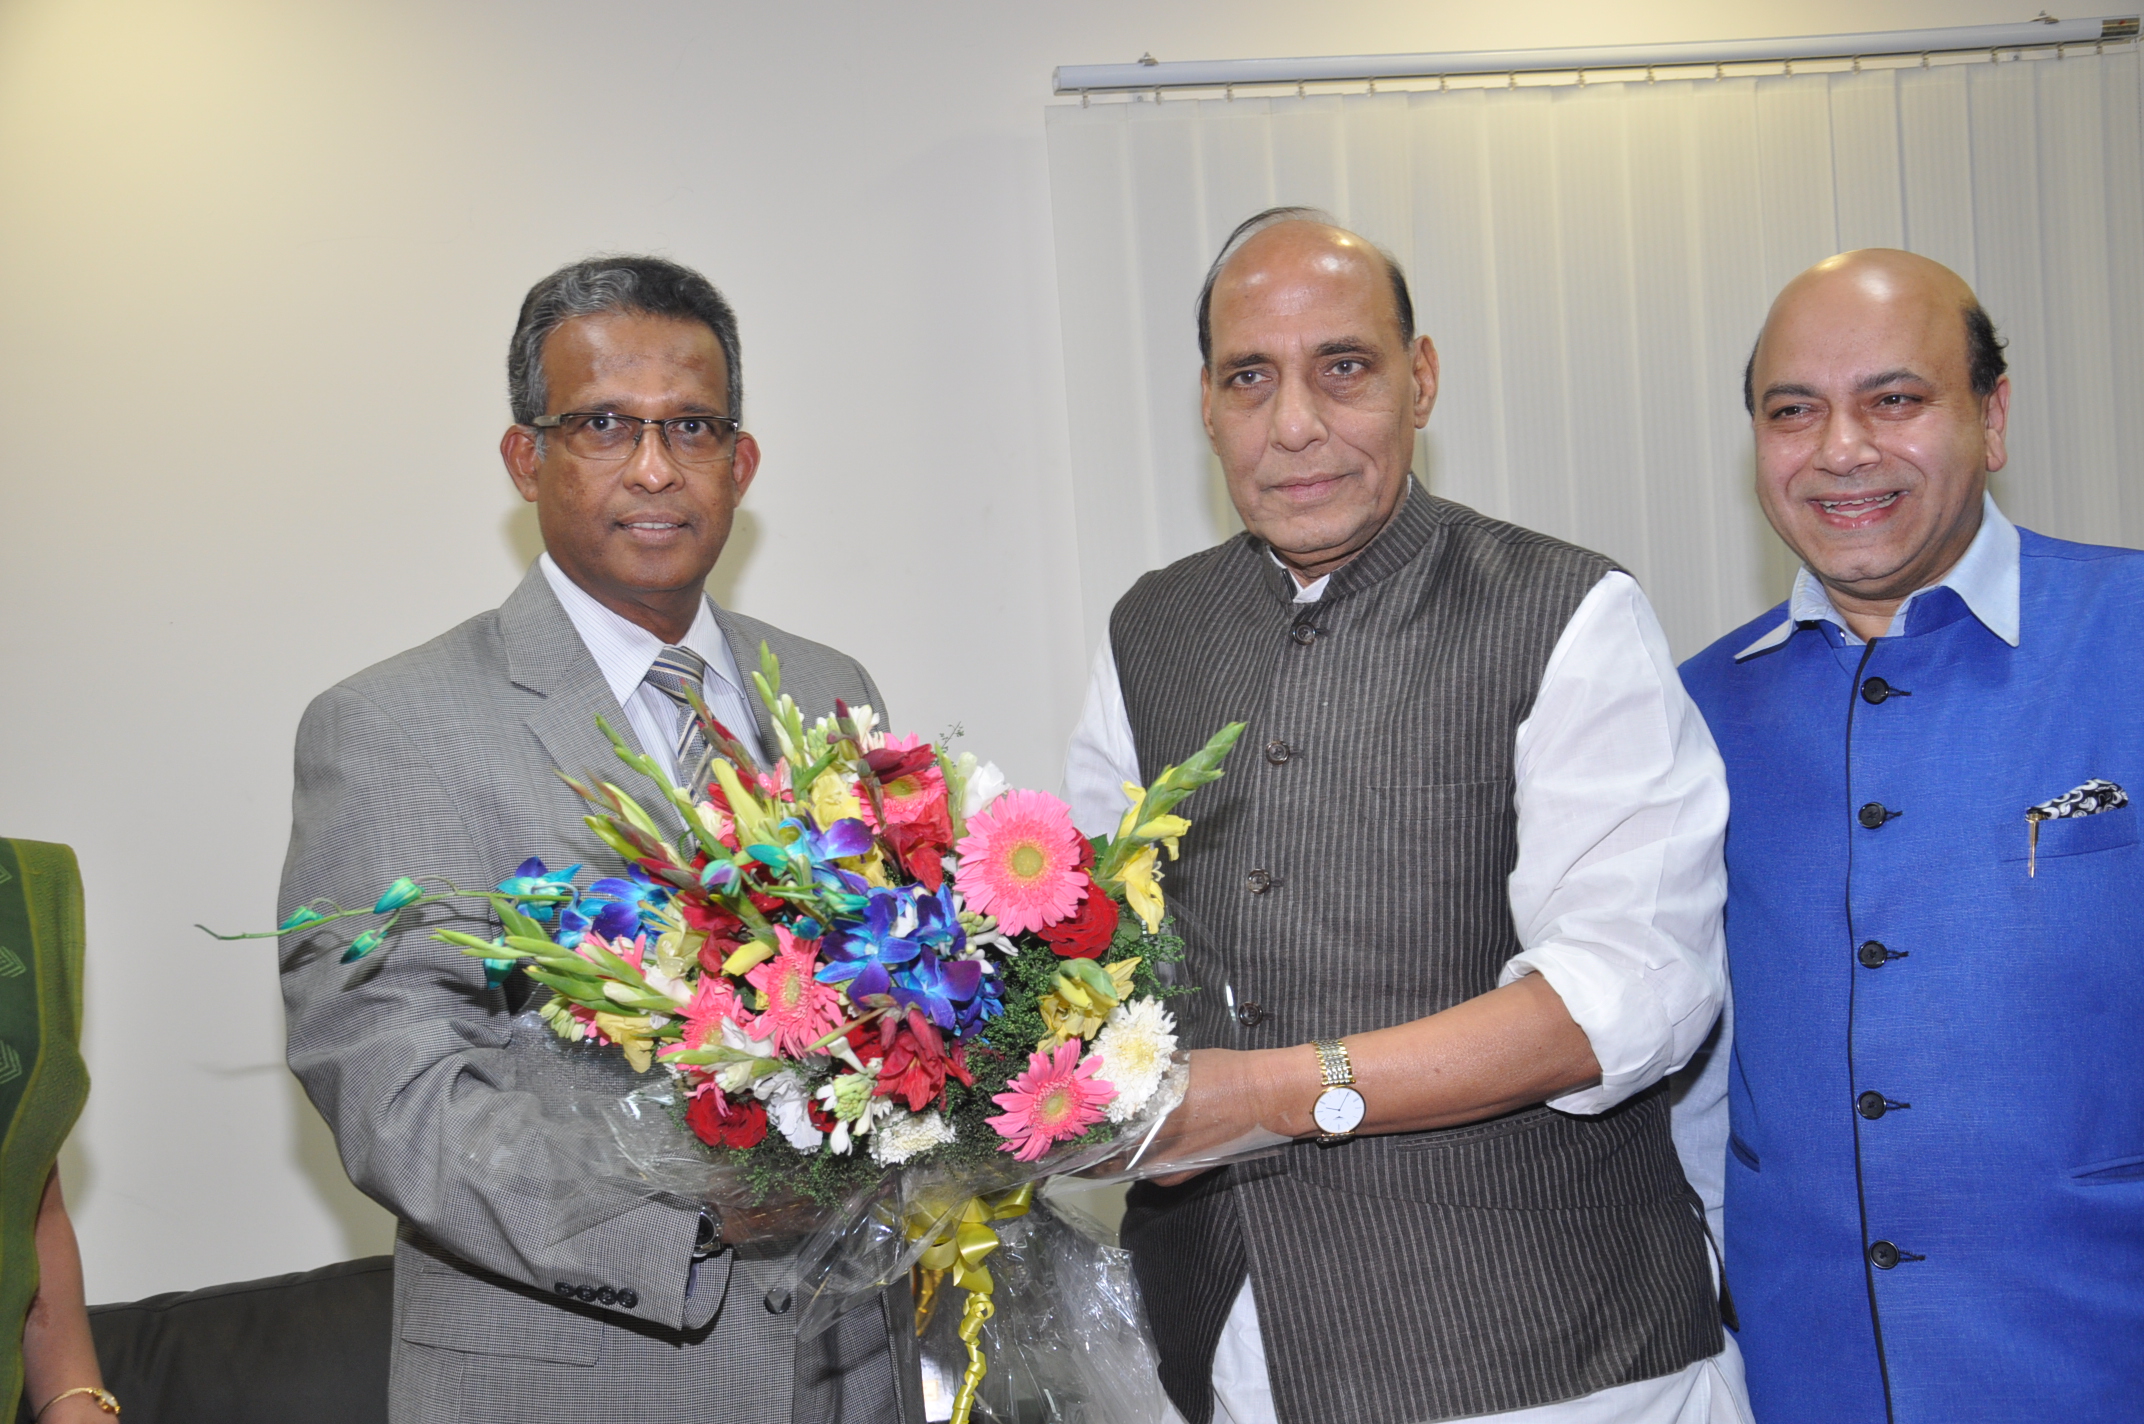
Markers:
{"x": 442, "y": 763}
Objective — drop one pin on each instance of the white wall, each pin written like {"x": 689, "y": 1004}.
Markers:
{"x": 260, "y": 264}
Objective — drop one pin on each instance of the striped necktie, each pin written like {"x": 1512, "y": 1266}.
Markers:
{"x": 675, "y": 670}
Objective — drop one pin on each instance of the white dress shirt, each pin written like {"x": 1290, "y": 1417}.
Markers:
{"x": 1616, "y": 895}
{"x": 624, "y": 651}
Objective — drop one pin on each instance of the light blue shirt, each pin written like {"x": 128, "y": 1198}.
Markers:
{"x": 1985, "y": 577}
{"x": 624, "y": 651}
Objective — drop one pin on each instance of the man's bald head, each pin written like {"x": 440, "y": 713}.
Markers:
{"x": 1251, "y": 227}
{"x": 1899, "y": 270}
{"x": 1880, "y": 407}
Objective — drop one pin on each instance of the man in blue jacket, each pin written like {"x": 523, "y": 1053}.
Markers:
{"x": 1935, "y": 916}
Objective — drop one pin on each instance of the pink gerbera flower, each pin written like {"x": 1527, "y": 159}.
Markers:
{"x": 714, "y": 1002}
{"x": 1055, "y": 1100}
{"x": 800, "y": 1010}
{"x": 1021, "y": 862}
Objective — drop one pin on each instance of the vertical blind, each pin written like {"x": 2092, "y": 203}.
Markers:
{"x": 1593, "y": 262}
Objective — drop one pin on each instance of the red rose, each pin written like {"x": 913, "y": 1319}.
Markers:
{"x": 717, "y": 1124}
{"x": 1090, "y": 929}
{"x": 821, "y": 1116}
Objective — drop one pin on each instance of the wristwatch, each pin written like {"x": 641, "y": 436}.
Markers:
{"x": 1339, "y": 1109}
{"x": 707, "y": 1236}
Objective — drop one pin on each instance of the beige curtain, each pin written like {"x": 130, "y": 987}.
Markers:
{"x": 1593, "y": 263}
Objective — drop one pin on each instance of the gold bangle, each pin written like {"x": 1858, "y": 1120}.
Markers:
{"x": 105, "y": 1399}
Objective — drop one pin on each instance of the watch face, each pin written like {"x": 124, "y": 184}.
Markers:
{"x": 1338, "y": 1110}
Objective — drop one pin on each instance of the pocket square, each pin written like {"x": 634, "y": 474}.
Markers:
{"x": 2090, "y": 799}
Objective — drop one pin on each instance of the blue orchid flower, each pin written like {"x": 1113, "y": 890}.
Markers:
{"x": 938, "y": 987}
{"x": 530, "y": 877}
{"x": 572, "y": 927}
{"x": 987, "y": 1004}
{"x": 625, "y": 905}
{"x": 863, "y": 953}
{"x": 400, "y": 895}
{"x": 814, "y": 852}
{"x": 938, "y": 922}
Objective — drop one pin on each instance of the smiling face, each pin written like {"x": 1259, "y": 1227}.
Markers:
{"x": 639, "y": 534}
{"x": 1872, "y": 449}
{"x": 1313, "y": 396}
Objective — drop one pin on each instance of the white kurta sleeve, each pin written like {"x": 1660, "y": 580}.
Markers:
{"x": 1622, "y": 820}
{"x": 1102, "y": 756}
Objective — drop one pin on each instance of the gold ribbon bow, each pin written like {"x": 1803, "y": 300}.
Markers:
{"x": 961, "y": 1238}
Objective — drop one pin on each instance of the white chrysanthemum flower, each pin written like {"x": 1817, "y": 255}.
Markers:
{"x": 1134, "y": 1045}
{"x": 906, "y": 1134}
{"x": 985, "y": 784}
{"x": 786, "y": 1098}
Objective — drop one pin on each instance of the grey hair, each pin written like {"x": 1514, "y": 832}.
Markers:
{"x": 615, "y": 282}
{"x": 1250, "y": 227}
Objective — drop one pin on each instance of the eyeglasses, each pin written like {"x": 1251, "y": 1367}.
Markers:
{"x": 606, "y": 435}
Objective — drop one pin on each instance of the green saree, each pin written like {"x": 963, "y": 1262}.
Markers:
{"x": 42, "y": 1078}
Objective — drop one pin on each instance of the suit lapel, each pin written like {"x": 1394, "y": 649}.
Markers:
{"x": 545, "y": 656}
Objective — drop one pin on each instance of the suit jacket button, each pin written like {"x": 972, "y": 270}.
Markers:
{"x": 563, "y": 1289}
{"x": 1258, "y": 882}
{"x": 1883, "y": 1255}
{"x": 585, "y": 1294}
{"x": 606, "y": 1296}
{"x": 1278, "y": 751}
{"x": 1250, "y": 1015}
{"x": 628, "y": 1298}
{"x": 1875, "y": 690}
{"x": 777, "y": 1301}
{"x": 1873, "y": 954}
{"x": 1874, "y": 814}
{"x": 1870, "y": 1105}
{"x": 1304, "y": 634}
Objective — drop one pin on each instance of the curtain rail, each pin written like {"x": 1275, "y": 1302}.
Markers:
{"x": 1150, "y": 74}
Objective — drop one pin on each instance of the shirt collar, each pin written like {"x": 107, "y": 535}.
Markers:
{"x": 622, "y": 649}
{"x": 1985, "y": 579}
{"x": 1391, "y": 550}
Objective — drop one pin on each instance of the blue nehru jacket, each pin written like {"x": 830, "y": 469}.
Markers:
{"x": 1935, "y": 1182}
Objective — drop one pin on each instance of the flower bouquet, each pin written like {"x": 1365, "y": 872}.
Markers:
{"x": 869, "y": 961}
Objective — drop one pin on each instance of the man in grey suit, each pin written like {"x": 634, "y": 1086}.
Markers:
{"x": 526, "y": 1285}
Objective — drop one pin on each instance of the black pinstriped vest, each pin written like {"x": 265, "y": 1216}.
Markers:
{"x": 1349, "y": 872}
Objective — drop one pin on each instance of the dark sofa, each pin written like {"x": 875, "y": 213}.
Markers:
{"x": 311, "y": 1346}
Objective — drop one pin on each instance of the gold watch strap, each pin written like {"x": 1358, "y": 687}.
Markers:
{"x": 1333, "y": 1062}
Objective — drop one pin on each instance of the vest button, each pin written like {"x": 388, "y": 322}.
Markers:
{"x": 1875, "y": 690}
{"x": 1875, "y": 814}
{"x": 1304, "y": 634}
{"x": 777, "y": 1301}
{"x": 1883, "y": 1255}
{"x": 1870, "y": 1105}
{"x": 1873, "y": 954}
{"x": 1258, "y": 882}
{"x": 1250, "y": 1015}
{"x": 1278, "y": 751}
